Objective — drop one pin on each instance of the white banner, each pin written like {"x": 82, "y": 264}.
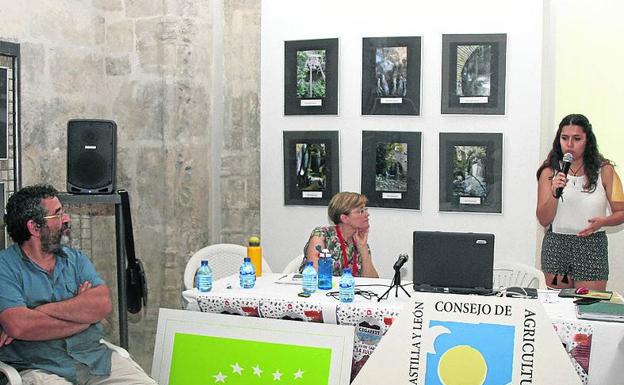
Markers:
{"x": 446, "y": 339}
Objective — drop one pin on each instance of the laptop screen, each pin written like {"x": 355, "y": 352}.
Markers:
{"x": 449, "y": 260}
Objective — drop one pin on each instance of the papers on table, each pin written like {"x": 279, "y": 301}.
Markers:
{"x": 290, "y": 279}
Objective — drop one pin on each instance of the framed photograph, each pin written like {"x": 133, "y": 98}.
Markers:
{"x": 311, "y": 77}
{"x": 473, "y": 74}
{"x": 311, "y": 167}
{"x": 10, "y": 150}
{"x": 471, "y": 168}
{"x": 3, "y": 233}
{"x": 4, "y": 112}
{"x": 391, "y": 75}
{"x": 391, "y": 168}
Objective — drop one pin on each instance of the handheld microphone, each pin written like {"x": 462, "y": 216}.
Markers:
{"x": 400, "y": 261}
{"x": 567, "y": 162}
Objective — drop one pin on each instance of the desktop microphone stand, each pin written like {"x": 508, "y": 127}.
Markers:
{"x": 396, "y": 284}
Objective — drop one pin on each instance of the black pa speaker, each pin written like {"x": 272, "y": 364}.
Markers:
{"x": 91, "y": 156}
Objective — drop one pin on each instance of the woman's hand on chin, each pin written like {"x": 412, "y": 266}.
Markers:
{"x": 361, "y": 236}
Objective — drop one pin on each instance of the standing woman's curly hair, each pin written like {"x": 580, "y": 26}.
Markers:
{"x": 592, "y": 158}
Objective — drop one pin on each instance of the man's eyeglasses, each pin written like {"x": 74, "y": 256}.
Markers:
{"x": 58, "y": 215}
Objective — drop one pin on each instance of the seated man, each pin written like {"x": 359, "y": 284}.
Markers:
{"x": 52, "y": 300}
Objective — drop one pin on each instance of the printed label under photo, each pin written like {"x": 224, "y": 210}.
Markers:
{"x": 391, "y": 196}
{"x": 391, "y": 100}
{"x": 311, "y": 194}
{"x": 311, "y": 102}
{"x": 469, "y": 200}
{"x": 473, "y": 100}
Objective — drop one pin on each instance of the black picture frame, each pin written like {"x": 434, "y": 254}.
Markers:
{"x": 11, "y": 164}
{"x": 311, "y": 167}
{"x": 317, "y": 95}
{"x": 471, "y": 172}
{"x": 473, "y": 74}
{"x": 3, "y": 233}
{"x": 391, "y": 75}
{"x": 391, "y": 168}
{"x": 4, "y": 112}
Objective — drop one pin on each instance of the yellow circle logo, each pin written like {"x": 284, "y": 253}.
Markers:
{"x": 462, "y": 365}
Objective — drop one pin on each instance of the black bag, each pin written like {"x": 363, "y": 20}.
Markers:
{"x": 136, "y": 287}
{"x": 136, "y": 283}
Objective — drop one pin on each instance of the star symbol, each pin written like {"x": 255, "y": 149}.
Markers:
{"x": 257, "y": 370}
{"x": 277, "y": 376}
{"x": 298, "y": 374}
{"x": 220, "y": 378}
{"x": 237, "y": 369}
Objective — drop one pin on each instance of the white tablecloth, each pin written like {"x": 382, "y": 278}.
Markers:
{"x": 267, "y": 288}
{"x": 606, "y": 363}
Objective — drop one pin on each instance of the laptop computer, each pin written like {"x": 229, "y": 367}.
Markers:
{"x": 451, "y": 262}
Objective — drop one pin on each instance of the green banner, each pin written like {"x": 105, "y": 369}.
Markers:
{"x": 203, "y": 360}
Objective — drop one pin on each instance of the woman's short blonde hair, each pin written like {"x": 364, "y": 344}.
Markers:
{"x": 342, "y": 203}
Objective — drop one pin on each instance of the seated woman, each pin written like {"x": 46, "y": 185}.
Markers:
{"x": 347, "y": 240}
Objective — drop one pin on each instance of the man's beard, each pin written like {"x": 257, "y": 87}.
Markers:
{"x": 52, "y": 242}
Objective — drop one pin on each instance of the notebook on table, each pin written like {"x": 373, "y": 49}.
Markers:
{"x": 452, "y": 262}
{"x": 601, "y": 311}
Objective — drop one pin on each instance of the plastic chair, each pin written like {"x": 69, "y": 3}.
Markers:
{"x": 224, "y": 259}
{"x": 293, "y": 266}
{"x": 508, "y": 274}
{"x": 13, "y": 377}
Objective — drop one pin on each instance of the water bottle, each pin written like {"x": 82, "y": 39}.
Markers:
{"x": 325, "y": 266}
{"x": 247, "y": 274}
{"x": 347, "y": 286}
{"x": 309, "y": 278}
{"x": 203, "y": 277}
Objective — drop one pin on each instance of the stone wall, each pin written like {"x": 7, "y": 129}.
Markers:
{"x": 148, "y": 65}
{"x": 240, "y": 161}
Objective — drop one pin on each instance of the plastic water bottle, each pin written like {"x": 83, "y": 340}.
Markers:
{"x": 203, "y": 277}
{"x": 325, "y": 267}
{"x": 309, "y": 278}
{"x": 347, "y": 286}
{"x": 247, "y": 274}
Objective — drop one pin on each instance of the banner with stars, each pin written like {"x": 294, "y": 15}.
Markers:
{"x": 195, "y": 348}
{"x": 239, "y": 362}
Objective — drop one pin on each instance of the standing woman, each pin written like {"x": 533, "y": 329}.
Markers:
{"x": 574, "y": 248}
{"x": 347, "y": 240}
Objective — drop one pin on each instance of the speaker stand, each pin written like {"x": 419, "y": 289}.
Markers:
{"x": 114, "y": 199}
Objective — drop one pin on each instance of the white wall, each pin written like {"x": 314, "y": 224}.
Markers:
{"x": 580, "y": 67}
{"x": 285, "y": 229}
